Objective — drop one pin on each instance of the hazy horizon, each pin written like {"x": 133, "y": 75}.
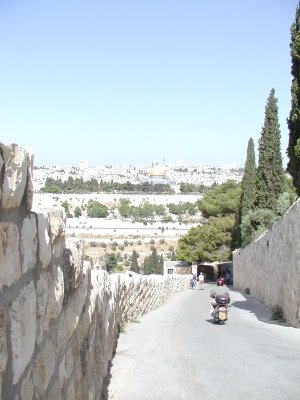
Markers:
{"x": 132, "y": 82}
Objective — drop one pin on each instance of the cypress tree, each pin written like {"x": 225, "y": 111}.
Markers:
{"x": 249, "y": 181}
{"x": 293, "y": 150}
{"x": 269, "y": 172}
{"x": 248, "y": 195}
{"x": 134, "y": 262}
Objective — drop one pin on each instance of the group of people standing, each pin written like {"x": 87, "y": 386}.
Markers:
{"x": 193, "y": 281}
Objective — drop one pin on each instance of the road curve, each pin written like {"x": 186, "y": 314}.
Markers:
{"x": 178, "y": 353}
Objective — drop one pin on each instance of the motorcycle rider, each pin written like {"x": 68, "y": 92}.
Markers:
{"x": 221, "y": 289}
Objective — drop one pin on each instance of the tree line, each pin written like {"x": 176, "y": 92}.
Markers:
{"x": 78, "y": 185}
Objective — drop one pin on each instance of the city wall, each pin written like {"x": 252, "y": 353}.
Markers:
{"x": 59, "y": 317}
{"x": 270, "y": 266}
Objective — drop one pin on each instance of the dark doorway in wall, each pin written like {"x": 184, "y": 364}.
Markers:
{"x": 209, "y": 272}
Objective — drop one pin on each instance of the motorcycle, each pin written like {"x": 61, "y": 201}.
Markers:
{"x": 220, "y": 313}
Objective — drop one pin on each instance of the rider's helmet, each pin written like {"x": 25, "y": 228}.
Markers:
{"x": 220, "y": 282}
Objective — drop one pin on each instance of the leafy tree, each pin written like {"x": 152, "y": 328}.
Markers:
{"x": 66, "y": 206}
{"x": 134, "y": 262}
{"x": 222, "y": 200}
{"x": 208, "y": 242}
{"x": 125, "y": 208}
{"x": 96, "y": 210}
{"x": 293, "y": 150}
{"x": 270, "y": 171}
{"x": 255, "y": 223}
{"x": 77, "y": 212}
{"x": 110, "y": 262}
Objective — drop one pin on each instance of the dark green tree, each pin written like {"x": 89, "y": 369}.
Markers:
{"x": 161, "y": 265}
{"x": 111, "y": 262}
{"x": 293, "y": 150}
{"x": 134, "y": 262}
{"x": 152, "y": 263}
{"x": 96, "y": 209}
{"x": 77, "y": 212}
{"x": 248, "y": 195}
{"x": 269, "y": 171}
{"x": 173, "y": 256}
{"x": 249, "y": 181}
{"x": 208, "y": 242}
{"x": 222, "y": 200}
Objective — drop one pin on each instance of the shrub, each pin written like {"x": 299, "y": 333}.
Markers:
{"x": 277, "y": 313}
{"x": 247, "y": 290}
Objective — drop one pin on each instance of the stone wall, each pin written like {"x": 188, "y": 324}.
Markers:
{"x": 59, "y": 317}
{"x": 270, "y": 266}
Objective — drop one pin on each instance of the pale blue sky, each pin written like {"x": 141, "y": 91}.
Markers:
{"x": 131, "y": 81}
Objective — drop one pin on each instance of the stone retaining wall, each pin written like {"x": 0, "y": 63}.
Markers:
{"x": 59, "y": 317}
{"x": 270, "y": 266}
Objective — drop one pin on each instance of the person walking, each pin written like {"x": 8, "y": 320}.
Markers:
{"x": 201, "y": 281}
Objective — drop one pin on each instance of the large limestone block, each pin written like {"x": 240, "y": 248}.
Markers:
{"x": 27, "y": 387}
{"x": 10, "y": 269}
{"x": 73, "y": 265}
{"x": 69, "y": 318}
{"x": 15, "y": 177}
{"x": 56, "y": 293}
{"x": 22, "y": 315}
{"x": 57, "y": 225}
{"x": 3, "y": 342}
{"x": 44, "y": 368}
{"x": 44, "y": 243}
{"x": 50, "y": 295}
{"x": 66, "y": 367}
{"x": 42, "y": 294}
{"x": 29, "y": 243}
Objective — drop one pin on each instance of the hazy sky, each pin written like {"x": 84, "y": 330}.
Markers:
{"x": 131, "y": 81}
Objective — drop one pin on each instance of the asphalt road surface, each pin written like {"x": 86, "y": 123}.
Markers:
{"x": 178, "y": 353}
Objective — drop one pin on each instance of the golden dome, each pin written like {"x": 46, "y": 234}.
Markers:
{"x": 158, "y": 170}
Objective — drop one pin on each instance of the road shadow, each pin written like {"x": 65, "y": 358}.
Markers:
{"x": 253, "y": 306}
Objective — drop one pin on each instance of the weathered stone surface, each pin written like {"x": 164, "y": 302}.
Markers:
{"x": 28, "y": 193}
{"x": 57, "y": 224}
{"x": 3, "y": 342}
{"x": 54, "y": 392}
{"x": 50, "y": 295}
{"x": 56, "y": 292}
{"x": 69, "y": 318}
{"x": 44, "y": 243}
{"x": 1, "y": 171}
{"x": 73, "y": 265}
{"x": 270, "y": 266}
{"x": 10, "y": 269}
{"x": 16, "y": 168}
{"x": 67, "y": 366}
{"x": 29, "y": 243}
{"x": 44, "y": 368}
{"x": 42, "y": 294}
{"x": 22, "y": 315}
{"x": 27, "y": 387}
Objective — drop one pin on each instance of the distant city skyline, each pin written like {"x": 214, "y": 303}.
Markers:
{"x": 131, "y": 82}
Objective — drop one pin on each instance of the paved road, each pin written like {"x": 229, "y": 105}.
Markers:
{"x": 177, "y": 353}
